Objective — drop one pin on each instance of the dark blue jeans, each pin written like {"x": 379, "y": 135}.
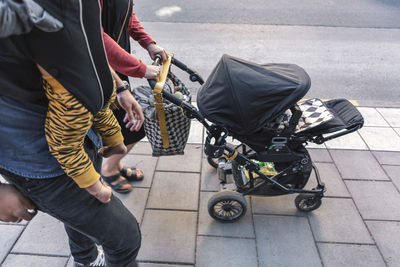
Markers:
{"x": 87, "y": 221}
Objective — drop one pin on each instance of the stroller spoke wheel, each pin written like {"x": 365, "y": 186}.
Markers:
{"x": 307, "y": 202}
{"x": 227, "y": 206}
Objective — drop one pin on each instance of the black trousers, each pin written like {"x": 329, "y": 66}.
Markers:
{"x": 87, "y": 221}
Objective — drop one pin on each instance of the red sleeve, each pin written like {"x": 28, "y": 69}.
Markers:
{"x": 122, "y": 61}
{"x": 137, "y": 32}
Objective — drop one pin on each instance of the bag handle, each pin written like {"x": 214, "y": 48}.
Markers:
{"x": 157, "y": 93}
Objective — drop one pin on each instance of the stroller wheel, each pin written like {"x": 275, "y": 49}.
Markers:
{"x": 227, "y": 206}
{"x": 307, "y": 202}
{"x": 213, "y": 162}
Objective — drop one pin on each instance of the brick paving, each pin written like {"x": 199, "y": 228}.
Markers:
{"x": 358, "y": 223}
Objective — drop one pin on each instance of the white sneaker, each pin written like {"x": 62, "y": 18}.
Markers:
{"x": 100, "y": 261}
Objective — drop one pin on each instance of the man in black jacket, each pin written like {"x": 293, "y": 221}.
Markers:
{"x": 75, "y": 56}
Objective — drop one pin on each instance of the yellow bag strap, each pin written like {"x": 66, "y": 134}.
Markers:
{"x": 159, "y": 105}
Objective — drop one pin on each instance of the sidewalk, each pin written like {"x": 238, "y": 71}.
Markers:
{"x": 358, "y": 223}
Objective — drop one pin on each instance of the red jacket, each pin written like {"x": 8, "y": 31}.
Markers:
{"x": 119, "y": 59}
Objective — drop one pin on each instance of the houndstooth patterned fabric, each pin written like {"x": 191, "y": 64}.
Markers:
{"x": 314, "y": 113}
{"x": 178, "y": 126}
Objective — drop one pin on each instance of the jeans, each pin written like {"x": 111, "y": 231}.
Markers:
{"x": 87, "y": 221}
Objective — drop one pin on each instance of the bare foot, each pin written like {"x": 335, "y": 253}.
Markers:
{"x": 107, "y": 151}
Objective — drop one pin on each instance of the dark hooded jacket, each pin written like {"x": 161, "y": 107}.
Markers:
{"x": 75, "y": 56}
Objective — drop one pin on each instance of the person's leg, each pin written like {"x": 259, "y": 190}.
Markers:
{"x": 110, "y": 225}
{"x": 113, "y": 165}
{"x": 83, "y": 248}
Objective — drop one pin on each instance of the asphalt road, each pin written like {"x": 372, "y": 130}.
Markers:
{"x": 350, "y": 49}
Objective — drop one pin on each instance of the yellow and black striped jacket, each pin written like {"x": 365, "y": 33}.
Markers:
{"x": 67, "y": 124}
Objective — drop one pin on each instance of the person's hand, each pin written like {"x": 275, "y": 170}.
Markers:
{"x": 100, "y": 191}
{"x": 152, "y": 72}
{"x": 107, "y": 151}
{"x": 14, "y": 207}
{"x": 134, "y": 117}
{"x": 154, "y": 49}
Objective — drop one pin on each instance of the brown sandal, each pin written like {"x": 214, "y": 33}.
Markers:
{"x": 133, "y": 177}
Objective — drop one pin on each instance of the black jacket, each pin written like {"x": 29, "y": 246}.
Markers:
{"x": 75, "y": 56}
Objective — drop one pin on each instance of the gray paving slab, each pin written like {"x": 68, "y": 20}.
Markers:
{"x": 319, "y": 155}
{"x": 209, "y": 226}
{"x": 372, "y": 117}
{"x": 141, "y": 148}
{"x": 225, "y": 252}
{"x": 285, "y": 241}
{"x": 196, "y": 133}
{"x": 387, "y": 237}
{"x": 8, "y": 235}
{"x": 174, "y": 190}
{"x": 34, "y": 261}
{"x": 209, "y": 177}
{"x": 146, "y": 163}
{"x": 358, "y": 165}
{"x": 337, "y": 220}
{"x": 391, "y": 115}
{"x": 135, "y": 201}
{"x": 375, "y": 200}
{"x": 43, "y": 235}
{"x": 190, "y": 161}
{"x": 390, "y": 158}
{"x": 278, "y": 205}
{"x": 168, "y": 236}
{"x": 332, "y": 179}
{"x": 394, "y": 174}
{"x": 334, "y": 255}
{"x": 348, "y": 141}
{"x": 378, "y": 138}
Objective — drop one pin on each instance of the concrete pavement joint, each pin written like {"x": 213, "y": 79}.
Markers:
{"x": 208, "y": 190}
{"x": 254, "y": 230}
{"x": 366, "y": 180}
{"x": 347, "y": 243}
{"x": 315, "y": 240}
{"x": 275, "y": 214}
{"x": 194, "y": 172}
{"x": 166, "y": 262}
{"x": 166, "y": 209}
{"x": 198, "y": 205}
{"x": 40, "y": 254}
{"x": 148, "y": 195}
{"x": 13, "y": 245}
{"x": 380, "y": 220}
{"x": 229, "y": 237}
{"x": 338, "y": 197}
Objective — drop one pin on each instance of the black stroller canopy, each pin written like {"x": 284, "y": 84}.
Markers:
{"x": 245, "y": 96}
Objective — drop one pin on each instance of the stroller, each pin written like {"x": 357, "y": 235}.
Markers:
{"x": 258, "y": 105}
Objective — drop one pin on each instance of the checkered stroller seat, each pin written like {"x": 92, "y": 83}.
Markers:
{"x": 320, "y": 117}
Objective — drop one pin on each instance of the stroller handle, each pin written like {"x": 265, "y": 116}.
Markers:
{"x": 158, "y": 85}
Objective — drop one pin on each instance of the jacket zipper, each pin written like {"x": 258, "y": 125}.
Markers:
{"x": 90, "y": 54}
{"x": 123, "y": 24}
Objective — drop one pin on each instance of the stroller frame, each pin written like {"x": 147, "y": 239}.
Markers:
{"x": 229, "y": 204}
